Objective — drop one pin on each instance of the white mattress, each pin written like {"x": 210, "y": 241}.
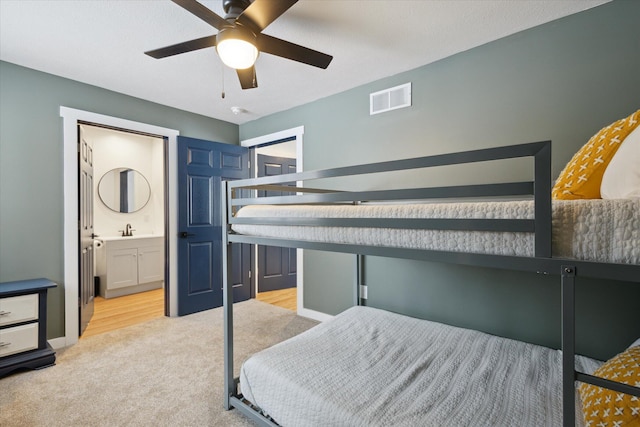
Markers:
{"x": 369, "y": 367}
{"x": 591, "y": 230}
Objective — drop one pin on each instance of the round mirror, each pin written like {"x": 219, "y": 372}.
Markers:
{"x": 124, "y": 190}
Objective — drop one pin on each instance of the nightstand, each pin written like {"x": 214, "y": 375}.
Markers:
{"x": 23, "y": 326}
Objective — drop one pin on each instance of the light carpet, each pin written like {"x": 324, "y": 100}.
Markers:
{"x": 166, "y": 372}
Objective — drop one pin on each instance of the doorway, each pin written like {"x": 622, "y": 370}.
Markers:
{"x": 71, "y": 119}
{"x": 276, "y": 267}
{"x": 125, "y": 203}
{"x": 286, "y": 144}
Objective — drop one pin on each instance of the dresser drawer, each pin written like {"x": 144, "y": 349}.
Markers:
{"x": 18, "y": 309}
{"x": 18, "y": 339}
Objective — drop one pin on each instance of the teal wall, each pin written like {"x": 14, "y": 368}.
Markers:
{"x": 561, "y": 81}
{"x": 31, "y": 166}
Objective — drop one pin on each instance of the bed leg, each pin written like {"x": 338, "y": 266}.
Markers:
{"x": 227, "y": 302}
{"x": 229, "y": 383}
{"x": 568, "y": 346}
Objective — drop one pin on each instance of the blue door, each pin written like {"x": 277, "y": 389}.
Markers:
{"x": 202, "y": 165}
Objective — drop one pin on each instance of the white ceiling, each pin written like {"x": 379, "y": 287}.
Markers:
{"x": 101, "y": 42}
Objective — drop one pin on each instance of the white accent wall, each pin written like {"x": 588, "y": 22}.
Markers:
{"x": 114, "y": 149}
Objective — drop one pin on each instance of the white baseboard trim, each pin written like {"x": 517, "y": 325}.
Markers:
{"x": 314, "y": 315}
{"x": 58, "y": 343}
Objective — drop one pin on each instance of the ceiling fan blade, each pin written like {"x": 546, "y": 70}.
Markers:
{"x": 261, "y": 13}
{"x": 183, "y": 47}
{"x": 293, "y": 51}
{"x": 248, "y": 79}
{"x": 207, "y": 15}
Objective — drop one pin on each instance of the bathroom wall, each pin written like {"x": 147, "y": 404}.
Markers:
{"x": 114, "y": 149}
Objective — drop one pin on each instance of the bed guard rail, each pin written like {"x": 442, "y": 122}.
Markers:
{"x": 539, "y": 188}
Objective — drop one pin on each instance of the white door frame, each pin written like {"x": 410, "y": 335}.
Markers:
{"x": 296, "y": 133}
{"x": 71, "y": 117}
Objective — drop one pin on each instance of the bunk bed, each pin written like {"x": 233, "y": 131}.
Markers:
{"x": 413, "y": 226}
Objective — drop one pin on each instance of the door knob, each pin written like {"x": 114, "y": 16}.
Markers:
{"x": 184, "y": 234}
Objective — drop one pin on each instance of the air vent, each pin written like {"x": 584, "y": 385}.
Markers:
{"x": 390, "y": 99}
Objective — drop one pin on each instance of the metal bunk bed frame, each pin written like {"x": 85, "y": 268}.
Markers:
{"x": 542, "y": 262}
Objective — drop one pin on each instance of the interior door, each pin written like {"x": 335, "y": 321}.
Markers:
{"x": 86, "y": 293}
{"x": 276, "y": 265}
{"x": 202, "y": 165}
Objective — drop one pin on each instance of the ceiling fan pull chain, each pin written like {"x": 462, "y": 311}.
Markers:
{"x": 222, "y": 74}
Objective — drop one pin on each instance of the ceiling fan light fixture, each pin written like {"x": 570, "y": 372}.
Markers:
{"x": 240, "y": 39}
{"x": 236, "y": 47}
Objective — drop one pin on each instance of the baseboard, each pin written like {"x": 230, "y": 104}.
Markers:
{"x": 58, "y": 343}
{"x": 314, "y": 315}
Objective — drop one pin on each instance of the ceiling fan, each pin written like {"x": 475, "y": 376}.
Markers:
{"x": 240, "y": 39}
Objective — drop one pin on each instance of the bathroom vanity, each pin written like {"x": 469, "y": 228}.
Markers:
{"x": 131, "y": 264}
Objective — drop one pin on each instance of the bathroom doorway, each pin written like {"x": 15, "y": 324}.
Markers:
{"x": 126, "y": 205}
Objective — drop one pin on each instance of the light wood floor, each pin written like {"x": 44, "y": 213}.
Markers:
{"x": 115, "y": 313}
{"x": 285, "y": 298}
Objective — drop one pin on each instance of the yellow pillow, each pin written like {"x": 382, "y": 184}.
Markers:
{"x": 602, "y": 407}
{"x": 582, "y": 176}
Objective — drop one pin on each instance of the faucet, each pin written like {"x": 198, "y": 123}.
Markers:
{"x": 127, "y": 231}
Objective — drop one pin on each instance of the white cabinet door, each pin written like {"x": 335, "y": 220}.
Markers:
{"x": 122, "y": 268}
{"x": 150, "y": 264}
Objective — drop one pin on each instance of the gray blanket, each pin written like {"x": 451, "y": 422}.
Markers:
{"x": 369, "y": 367}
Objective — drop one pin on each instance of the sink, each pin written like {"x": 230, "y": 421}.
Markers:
{"x": 135, "y": 236}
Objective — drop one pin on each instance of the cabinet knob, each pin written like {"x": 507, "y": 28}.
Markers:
{"x": 4, "y": 313}
{"x": 184, "y": 234}
{"x": 4, "y": 344}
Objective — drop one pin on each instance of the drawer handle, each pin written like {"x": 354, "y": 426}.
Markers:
{"x": 4, "y": 313}
{"x": 4, "y": 344}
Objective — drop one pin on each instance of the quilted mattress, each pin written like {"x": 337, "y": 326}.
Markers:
{"x": 590, "y": 230}
{"x": 369, "y": 367}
